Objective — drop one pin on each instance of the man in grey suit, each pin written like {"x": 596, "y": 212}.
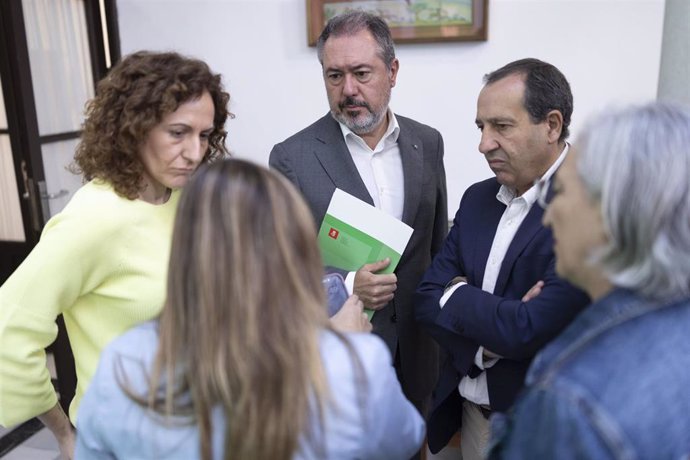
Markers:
{"x": 387, "y": 160}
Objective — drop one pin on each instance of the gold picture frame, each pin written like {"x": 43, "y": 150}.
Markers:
{"x": 410, "y": 21}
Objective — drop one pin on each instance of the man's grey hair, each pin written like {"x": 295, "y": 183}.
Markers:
{"x": 636, "y": 163}
{"x": 351, "y": 23}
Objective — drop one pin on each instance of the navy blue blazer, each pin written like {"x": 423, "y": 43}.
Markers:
{"x": 500, "y": 322}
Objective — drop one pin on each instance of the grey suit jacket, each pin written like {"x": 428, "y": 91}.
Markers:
{"x": 317, "y": 161}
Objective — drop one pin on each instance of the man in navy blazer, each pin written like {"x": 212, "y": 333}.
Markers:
{"x": 386, "y": 160}
{"x": 479, "y": 297}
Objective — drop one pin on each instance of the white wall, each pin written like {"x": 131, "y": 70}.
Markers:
{"x": 674, "y": 76}
{"x": 608, "y": 49}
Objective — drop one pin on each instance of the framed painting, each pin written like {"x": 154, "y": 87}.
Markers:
{"x": 410, "y": 21}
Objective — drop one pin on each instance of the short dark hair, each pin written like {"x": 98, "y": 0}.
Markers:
{"x": 546, "y": 89}
{"x": 354, "y": 21}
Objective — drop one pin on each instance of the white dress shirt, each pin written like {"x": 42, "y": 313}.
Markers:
{"x": 381, "y": 171}
{"x": 517, "y": 208}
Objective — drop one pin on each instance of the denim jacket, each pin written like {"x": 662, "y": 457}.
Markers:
{"x": 614, "y": 384}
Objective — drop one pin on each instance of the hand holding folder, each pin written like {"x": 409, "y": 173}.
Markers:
{"x": 374, "y": 286}
{"x": 354, "y": 233}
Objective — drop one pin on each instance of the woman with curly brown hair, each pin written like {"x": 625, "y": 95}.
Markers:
{"x": 102, "y": 262}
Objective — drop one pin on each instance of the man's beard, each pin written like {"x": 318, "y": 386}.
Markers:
{"x": 360, "y": 123}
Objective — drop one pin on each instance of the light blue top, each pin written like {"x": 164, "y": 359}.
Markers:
{"x": 110, "y": 425}
{"x": 615, "y": 384}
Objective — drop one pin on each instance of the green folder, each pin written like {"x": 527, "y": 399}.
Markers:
{"x": 354, "y": 233}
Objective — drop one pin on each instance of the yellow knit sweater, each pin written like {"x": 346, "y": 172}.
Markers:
{"x": 102, "y": 262}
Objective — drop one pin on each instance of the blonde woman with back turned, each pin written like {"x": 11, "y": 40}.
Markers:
{"x": 243, "y": 362}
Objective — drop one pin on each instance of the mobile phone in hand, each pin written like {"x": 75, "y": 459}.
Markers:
{"x": 336, "y": 292}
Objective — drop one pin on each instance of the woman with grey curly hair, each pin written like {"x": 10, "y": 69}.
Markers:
{"x": 614, "y": 384}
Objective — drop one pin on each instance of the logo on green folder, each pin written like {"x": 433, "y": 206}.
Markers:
{"x": 345, "y": 247}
